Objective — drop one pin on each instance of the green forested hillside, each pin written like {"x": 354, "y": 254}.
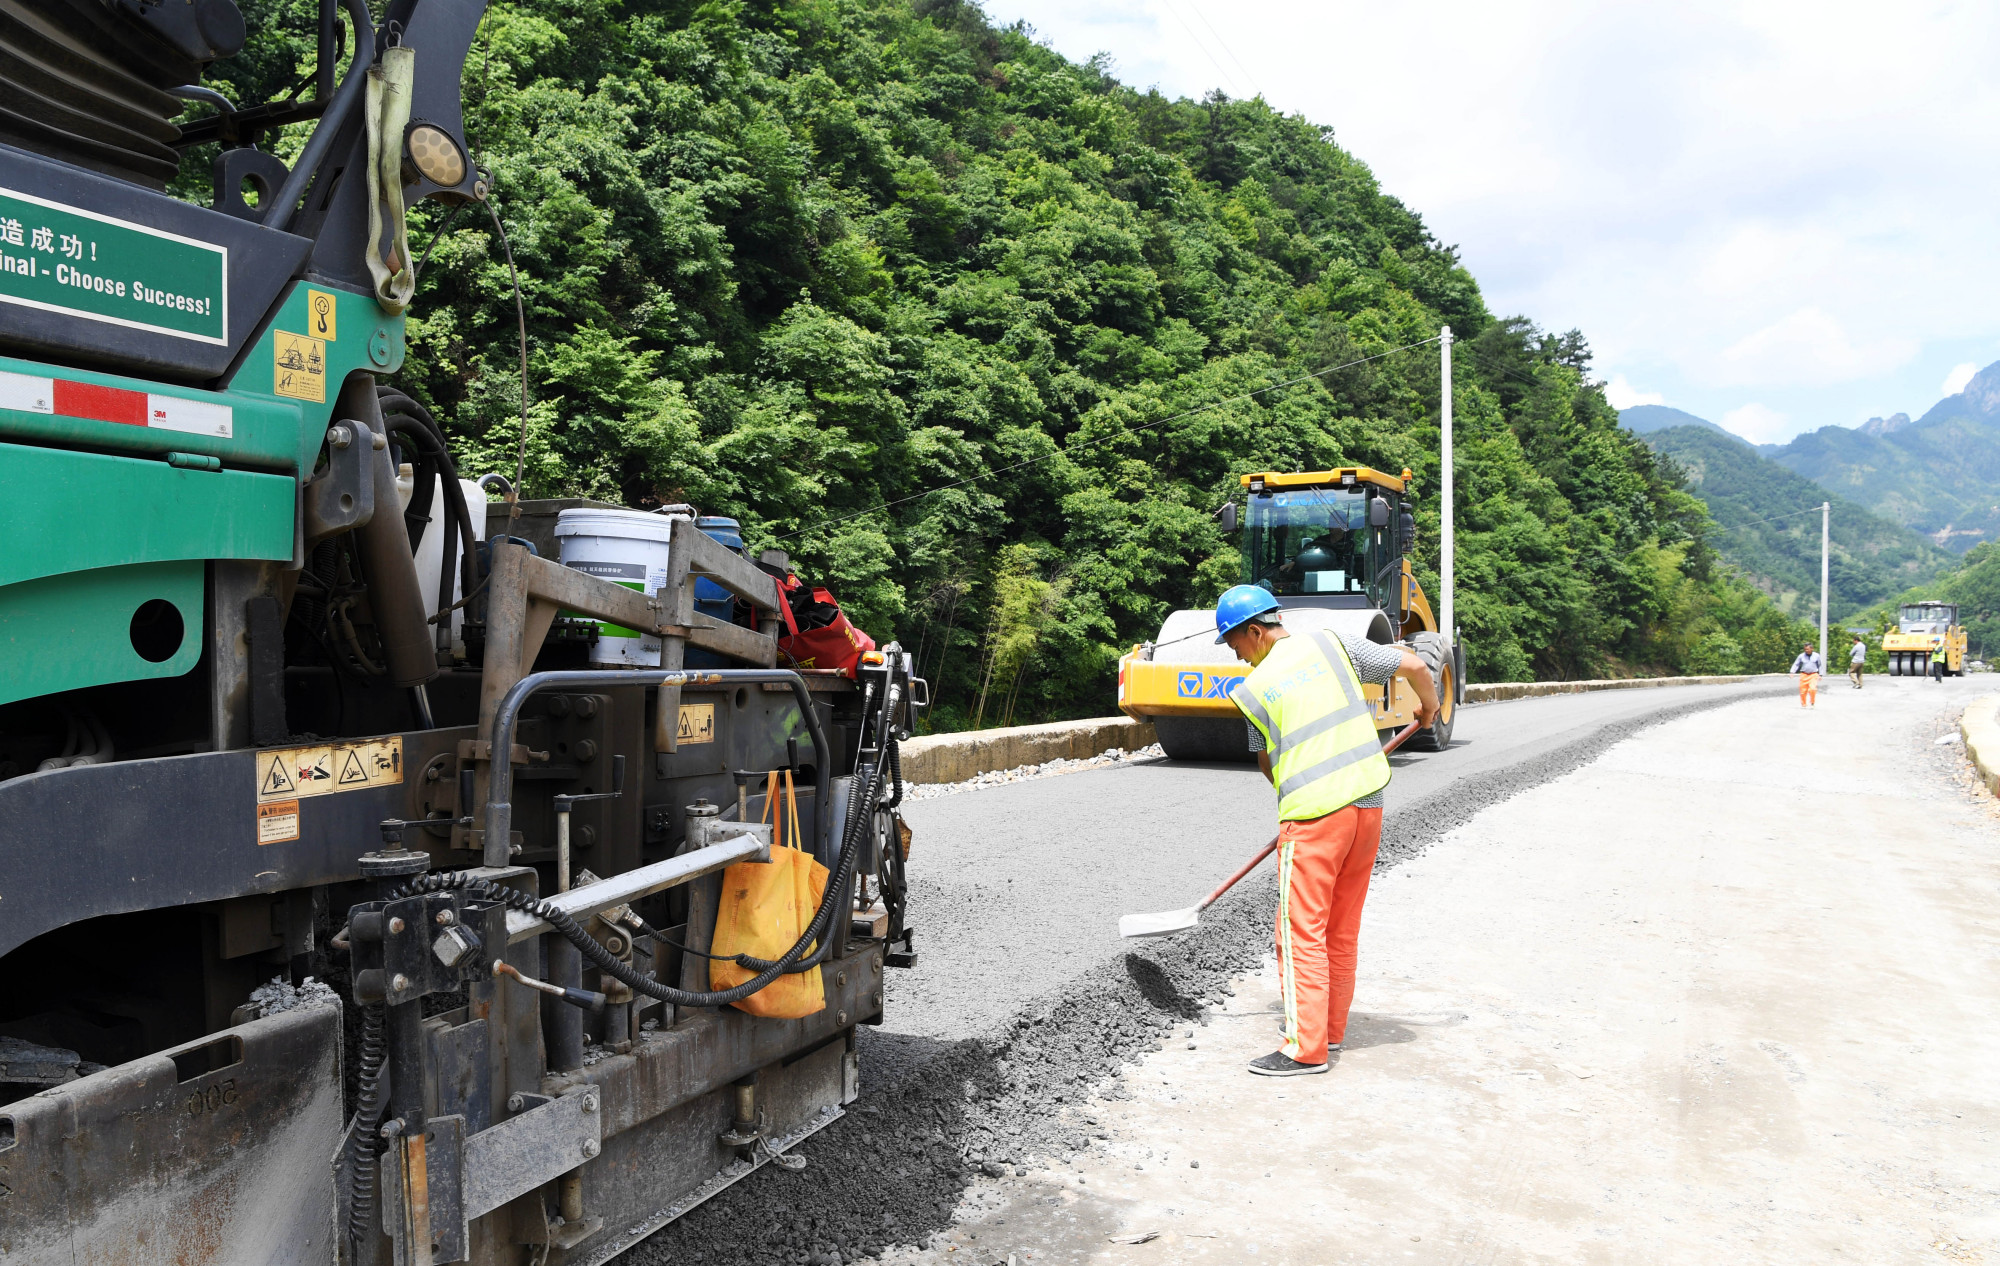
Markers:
{"x": 1974, "y": 584}
{"x": 796, "y": 262}
{"x": 1936, "y": 475}
{"x": 1769, "y": 527}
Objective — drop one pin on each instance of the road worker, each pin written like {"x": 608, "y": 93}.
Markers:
{"x": 1857, "y": 659}
{"x": 1806, "y": 669}
{"x": 1315, "y": 739}
{"x": 1937, "y": 661}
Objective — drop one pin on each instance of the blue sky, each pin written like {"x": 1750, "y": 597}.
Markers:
{"x": 1777, "y": 216}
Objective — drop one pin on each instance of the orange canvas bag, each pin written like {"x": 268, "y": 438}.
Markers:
{"x": 765, "y": 907}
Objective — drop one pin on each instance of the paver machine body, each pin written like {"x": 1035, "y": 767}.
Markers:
{"x": 245, "y": 739}
{"x": 1333, "y": 546}
{"x": 1922, "y": 627}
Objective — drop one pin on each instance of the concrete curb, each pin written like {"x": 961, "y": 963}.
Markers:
{"x": 940, "y": 758}
{"x": 1980, "y": 726}
{"x": 1497, "y": 691}
{"x": 943, "y": 758}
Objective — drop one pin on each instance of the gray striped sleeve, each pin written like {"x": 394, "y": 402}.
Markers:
{"x": 1373, "y": 663}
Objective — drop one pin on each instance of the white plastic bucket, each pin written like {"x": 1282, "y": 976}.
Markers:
{"x": 627, "y": 548}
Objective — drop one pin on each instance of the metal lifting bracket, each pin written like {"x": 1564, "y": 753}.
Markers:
{"x": 464, "y": 1178}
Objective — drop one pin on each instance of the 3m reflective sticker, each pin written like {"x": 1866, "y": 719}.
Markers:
{"x": 192, "y": 417}
{"x": 99, "y": 403}
{"x": 27, "y": 393}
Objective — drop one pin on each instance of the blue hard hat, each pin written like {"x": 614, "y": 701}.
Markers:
{"x": 1238, "y": 604}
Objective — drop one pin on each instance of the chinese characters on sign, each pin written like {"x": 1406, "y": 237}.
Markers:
{"x": 66, "y": 260}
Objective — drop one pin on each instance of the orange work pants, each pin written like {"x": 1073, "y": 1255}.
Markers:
{"x": 1808, "y": 689}
{"x": 1323, "y": 869}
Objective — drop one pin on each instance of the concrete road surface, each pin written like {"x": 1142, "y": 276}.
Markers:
{"x": 1729, "y": 993}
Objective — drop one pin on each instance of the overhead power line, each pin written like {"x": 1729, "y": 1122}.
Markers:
{"x": 1085, "y": 444}
{"x": 1773, "y": 519}
{"x": 1224, "y": 44}
{"x": 1202, "y": 44}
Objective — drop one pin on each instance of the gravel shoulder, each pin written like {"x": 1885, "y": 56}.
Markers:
{"x": 1726, "y": 993}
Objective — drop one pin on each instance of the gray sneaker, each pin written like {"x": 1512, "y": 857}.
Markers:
{"x": 1279, "y": 1064}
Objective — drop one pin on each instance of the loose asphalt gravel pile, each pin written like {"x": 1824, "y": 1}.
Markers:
{"x": 935, "y": 1116}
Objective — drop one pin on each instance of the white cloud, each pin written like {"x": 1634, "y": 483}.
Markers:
{"x": 1758, "y": 424}
{"x": 1623, "y": 395}
{"x": 1954, "y": 382}
{"x": 1804, "y": 347}
{"x": 1726, "y": 198}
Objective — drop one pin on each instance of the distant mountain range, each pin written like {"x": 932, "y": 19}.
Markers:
{"x": 1770, "y": 526}
{"x": 1938, "y": 474}
{"x": 1644, "y": 419}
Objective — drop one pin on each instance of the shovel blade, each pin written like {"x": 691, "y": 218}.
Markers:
{"x": 1165, "y": 923}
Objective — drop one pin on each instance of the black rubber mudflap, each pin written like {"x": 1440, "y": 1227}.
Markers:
{"x": 1219, "y": 739}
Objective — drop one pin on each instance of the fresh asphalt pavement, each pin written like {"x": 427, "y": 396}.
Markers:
{"x": 1725, "y": 992}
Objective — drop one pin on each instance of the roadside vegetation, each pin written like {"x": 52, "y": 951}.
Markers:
{"x": 806, "y": 263}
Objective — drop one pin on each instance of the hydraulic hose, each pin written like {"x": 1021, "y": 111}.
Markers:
{"x": 361, "y": 1167}
{"x": 402, "y": 409}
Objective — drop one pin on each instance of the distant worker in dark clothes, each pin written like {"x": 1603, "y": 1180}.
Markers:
{"x": 1314, "y": 734}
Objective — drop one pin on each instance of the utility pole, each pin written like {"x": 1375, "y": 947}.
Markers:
{"x": 1447, "y": 623}
{"x": 1825, "y": 518}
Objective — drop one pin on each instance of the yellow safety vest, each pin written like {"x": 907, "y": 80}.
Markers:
{"x": 1306, "y": 701}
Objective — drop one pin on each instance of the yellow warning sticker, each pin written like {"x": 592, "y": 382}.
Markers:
{"x": 697, "y": 723}
{"x": 296, "y": 772}
{"x": 277, "y": 821}
{"x": 298, "y": 366}
{"x": 321, "y": 316}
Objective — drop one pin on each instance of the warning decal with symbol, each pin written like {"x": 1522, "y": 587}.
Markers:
{"x": 294, "y": 773}
{"x": 697, "y": 723}
{"x": 277, "y": 821}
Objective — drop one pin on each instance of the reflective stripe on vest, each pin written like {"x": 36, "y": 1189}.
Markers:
{"x": 1317, "y": 726}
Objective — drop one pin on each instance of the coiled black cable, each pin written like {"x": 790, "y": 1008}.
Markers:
{"x": 361, "y": 1152}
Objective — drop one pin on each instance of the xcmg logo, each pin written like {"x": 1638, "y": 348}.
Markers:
{"x": 1200, "y": 685}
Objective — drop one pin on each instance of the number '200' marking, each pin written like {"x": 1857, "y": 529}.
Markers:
{"x": 212, "y": 1099}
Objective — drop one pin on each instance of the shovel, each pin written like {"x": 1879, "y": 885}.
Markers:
{"x": 1167, "y": 922}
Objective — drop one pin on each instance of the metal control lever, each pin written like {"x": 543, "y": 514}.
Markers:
{"x": 563, "y": 805}
{"x": 743, "y": 777}
{"x": 584, "y": 999}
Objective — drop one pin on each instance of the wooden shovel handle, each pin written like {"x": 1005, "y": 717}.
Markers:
{"x": 1401, "y": 736}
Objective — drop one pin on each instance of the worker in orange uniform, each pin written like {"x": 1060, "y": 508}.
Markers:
{"x": 1806, "y": 668}
{"x": 1314, "y": 734}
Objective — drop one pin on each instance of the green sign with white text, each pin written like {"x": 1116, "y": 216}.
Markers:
{"x": 62, "y": 259}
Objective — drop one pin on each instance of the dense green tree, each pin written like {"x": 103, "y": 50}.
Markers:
{"x": 960, "y": 323}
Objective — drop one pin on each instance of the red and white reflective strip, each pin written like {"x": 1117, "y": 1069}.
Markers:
{"x": 67, "y": 399}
